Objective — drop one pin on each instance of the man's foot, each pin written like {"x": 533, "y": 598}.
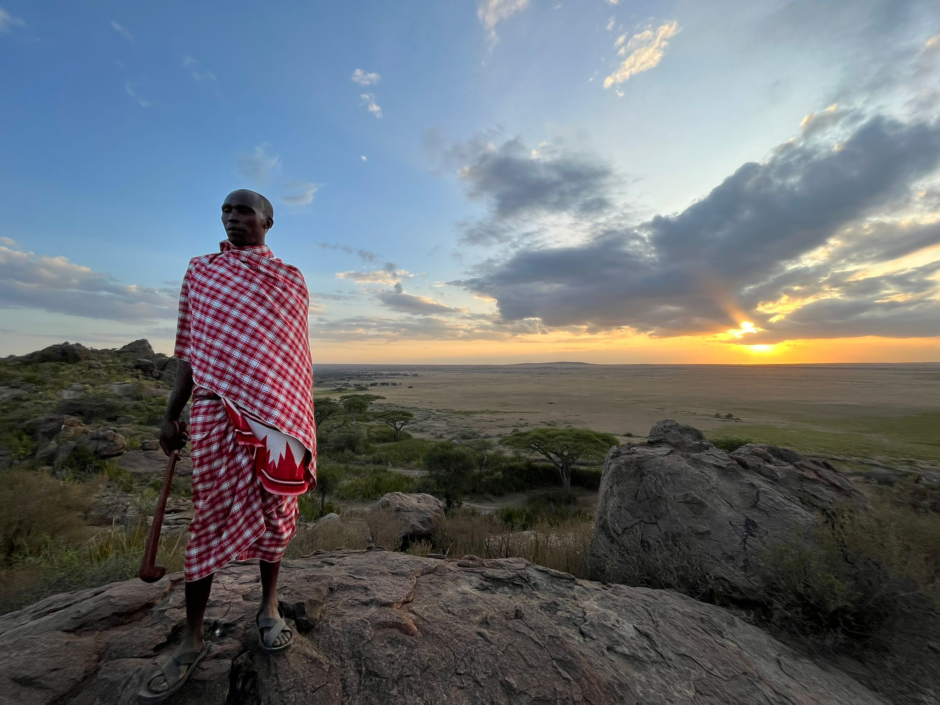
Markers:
{"x": 175, "y": 671}
{"x": 270, "y": 623}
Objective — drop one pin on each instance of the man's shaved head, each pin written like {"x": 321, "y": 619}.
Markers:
{"x": 264, "y": 204}
{"x": 247, "y": 217}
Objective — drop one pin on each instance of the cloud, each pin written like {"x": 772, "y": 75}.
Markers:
{"x": 642, "y": 52}
{"x": 123, "y": 31}
{"x": 365, "y": 255}
{"x": 8, "y": 22}
{"x": 129, "y": 89}
{"x": 774, "y": 238}
{"x": 492, "y": 12}
{"x": 55, "y": 284}
{"x": 515, "y": 184}
{"x": 257, "y": 165}
{"x": 389, "y": 274}
{"x": 368, "y": 100}
{"x": 398, "y": 300}
{"x": 197, "y": 73}
{"x": 303, "y": 192}
{"x": 365, "y": 79}
{"x": 363, "y": 157}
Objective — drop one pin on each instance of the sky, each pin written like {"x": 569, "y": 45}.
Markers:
{"x": 485, "y": 181}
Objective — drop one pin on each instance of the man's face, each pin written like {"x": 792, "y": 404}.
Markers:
{"x": 243, "y": 220}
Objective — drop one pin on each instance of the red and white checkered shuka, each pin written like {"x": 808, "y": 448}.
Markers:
{"x": 243, "y": 329}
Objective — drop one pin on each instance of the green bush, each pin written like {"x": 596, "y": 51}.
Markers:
{"x": 506, "y": 474}
{"x": 383, "y": 433}
{"x": 588, "y": 478}
{"x": 119, "y": 476}
{"x": 346, "y": 441}
{"x": 853, "y": 584}
{"x": 81, "y": 464}
{"x": 309, "y": 507}
{"x": 372, "y": 486}
{"x": 36, "y": 510}
{"x": 551, "y": 508}
{"x": 404, "y": 453}
{"x": 451, "y": 468}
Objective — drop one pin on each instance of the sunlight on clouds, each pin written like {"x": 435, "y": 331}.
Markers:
{"x": 642, "y": 52}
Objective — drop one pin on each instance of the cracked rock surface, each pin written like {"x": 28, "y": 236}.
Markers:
{"x": 723, "y": 508}
{"x": 382, "y": 627}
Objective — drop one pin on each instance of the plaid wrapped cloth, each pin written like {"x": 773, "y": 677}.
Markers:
{"x": 243, "y": 329}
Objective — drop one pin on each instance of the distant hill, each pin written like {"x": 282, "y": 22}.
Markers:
{"x": 552, "y": 364}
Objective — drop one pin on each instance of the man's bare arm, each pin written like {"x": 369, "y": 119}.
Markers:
{"x": 170, "y": 436}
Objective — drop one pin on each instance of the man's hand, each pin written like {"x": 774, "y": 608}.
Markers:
{"x": 173, "y": 435}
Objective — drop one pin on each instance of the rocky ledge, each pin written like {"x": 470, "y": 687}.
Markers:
{"x": 381, "y": 627}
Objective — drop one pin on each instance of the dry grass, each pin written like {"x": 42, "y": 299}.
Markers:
{"x": 562, "y": 546}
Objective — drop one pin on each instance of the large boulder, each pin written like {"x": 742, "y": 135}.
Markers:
{"x": 381, "y": 628}
{"x": 137, "y": 349}
{"x": 681, "y": 500}
{"x": 60, "y": 352}
{"x": 419, "y": 515}
{"x": 104, "y": 442}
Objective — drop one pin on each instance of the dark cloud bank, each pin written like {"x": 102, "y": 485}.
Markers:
{"x": 746, "y": 243}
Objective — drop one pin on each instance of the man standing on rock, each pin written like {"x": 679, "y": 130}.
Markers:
{"x": 244, "y": 357}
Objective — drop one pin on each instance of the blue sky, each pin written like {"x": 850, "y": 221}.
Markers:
{"x": 457, "y": 182}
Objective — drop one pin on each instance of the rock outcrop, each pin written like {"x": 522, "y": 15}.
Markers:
{"x": 679, "y": 492}
{"x": 104, "y": 443}
{"x": 375, "y": 627}
{"x": 419, "y": 514}
{"x": 60, "y": 352}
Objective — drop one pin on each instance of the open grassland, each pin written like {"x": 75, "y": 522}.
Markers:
{"x": 876, "y": 437}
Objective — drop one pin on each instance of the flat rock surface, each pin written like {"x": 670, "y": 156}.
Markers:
{"x": 381, "y": 627}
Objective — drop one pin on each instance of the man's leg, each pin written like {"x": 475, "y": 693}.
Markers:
{"x": 269, "y": 572}
{"x": 197, "y": 597}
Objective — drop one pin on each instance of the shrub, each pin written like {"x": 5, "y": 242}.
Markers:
{"x": 450, "y": 466}
{"x": 346, "y": 440}
{"x": 374, "y": 485}
{"x": 82, "y": 464}
{"x": 36, "y": 510}
{"x": 551, "y": 508}
{"x": 857, "y": 580}
{"x": 588, "y": 478}
{"x": 405, "y": 453}
{"x": 119, "y": 476}
{"x": 385, "y": 434}
{"x": 311, "y": 508}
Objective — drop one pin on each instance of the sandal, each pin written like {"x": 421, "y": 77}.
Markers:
{"x": 171, "y": 672}
{"x": 274, "y": 627}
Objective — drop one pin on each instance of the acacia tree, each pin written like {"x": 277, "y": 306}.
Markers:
{"x": 483, "y": 446}
{"x": 450, "y": 466}
{"x": 358, "y": 404}
{"x": 396, "y": 419}
{"x": 323, "y": 409}
{"x": 327, "y": 482}
{"x": 563, "y": 447}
